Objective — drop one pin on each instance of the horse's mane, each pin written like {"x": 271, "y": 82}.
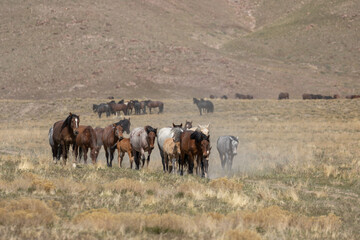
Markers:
{"x": 149, "y": 129}
{"x": 199, "y": 136}
{"x": 67, "y": 121}
{"x": 124, "y": 122}
{"x": 234, "y": 139}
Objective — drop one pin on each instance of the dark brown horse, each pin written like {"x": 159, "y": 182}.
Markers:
{"x": 111, "y": 135}
{"x": 84, "y": 140}
{"x": 195, "y": 151}
{"x": 116, "y": 108}
{"x": 155, "y": 104}
{"x": 283, "y": 95}
{"x": 62, "y": 135}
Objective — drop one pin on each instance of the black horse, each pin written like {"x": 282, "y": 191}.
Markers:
{"x": 204, "y": 105}
{"x": 125, "y": 124}
{"x": 102, "y": 108}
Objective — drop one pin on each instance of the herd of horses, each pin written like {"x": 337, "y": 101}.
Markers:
{"x": 181, "y": 147}
{"x": 139, "y": 107}
{"x": 286, "y": 95}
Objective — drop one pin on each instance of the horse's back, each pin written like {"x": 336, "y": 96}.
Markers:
{"x": 163, "y": 134}
{"x": 223, "y": 144}
{"x": 138, "y": 138}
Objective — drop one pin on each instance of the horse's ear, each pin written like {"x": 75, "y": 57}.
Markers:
{"x": 114, "y": 124}
{"x": 70, "y": 113}
{"x": 155, "y": 131}
{"x": 181, "y": 125}
{"x": 237, "y": 138}
{"x": 173, "y": 125}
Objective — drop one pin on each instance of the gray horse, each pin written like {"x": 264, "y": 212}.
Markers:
{"x": 165, "y": 133}
{"x": 227, "y": 146}
{"x": 142, "y": 139}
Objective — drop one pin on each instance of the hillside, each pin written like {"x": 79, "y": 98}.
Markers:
{"x": 176, "y": 49}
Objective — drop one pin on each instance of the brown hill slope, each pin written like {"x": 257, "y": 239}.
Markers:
{"x": 147, "y": 48}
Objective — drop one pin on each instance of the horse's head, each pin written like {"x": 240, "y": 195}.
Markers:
{"x": 151, "y": 135}
{"x": 205, "y": 129}
{"x": 234, "y": 144}
{"x": 188, "y": 125}
{"x": 74, "y": 123}
{"x": 94, "y": 153}
{"x": 118, "y": 130}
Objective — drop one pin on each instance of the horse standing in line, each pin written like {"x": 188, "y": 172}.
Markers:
{"x": 116, "y": 108}
{"x": 205, "y": 129}
{"x": 204, "y": 105}
{"x": 172, "y": 152}
{"x": 123, "y": 146}
{"x": 187, "y": 125}
{"x": 142, "y": 140}
{"x": 155, "y": 104}
{"x": 99, "y": 133}
{"x": 125, "y": 124}
{"x": 227, "y": 148}
{"x": 63, "y": 134}
{"x": 111, "y": 135}
{"x": 84, "y": 140}
{"x": 165, "y": 133}
{"x": 195, "y": 151}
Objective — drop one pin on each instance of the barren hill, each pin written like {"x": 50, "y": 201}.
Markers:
{"x": 170, "y": 48}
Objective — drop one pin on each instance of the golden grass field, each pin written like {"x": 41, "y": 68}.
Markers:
{"x": 296, "y": 176}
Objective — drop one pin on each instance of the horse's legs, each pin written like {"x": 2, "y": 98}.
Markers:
{"x": 222, "y": 160}
{"x": 181, "y": 164}
{"x": 136, "y": 158}
{"x": 106, "y": 155}
{"x": 54, "y": 153}
{"x": 122, "y": 154}
{"x": 162, "y": 157}
{"x": 191, "y": 163}
{"x": 85, "y": 150}
{"x": 200, "y": 110}
{"x": 230, "y": 162}
{"x": 131, "y": 158}
{"x": 111, "y": 156}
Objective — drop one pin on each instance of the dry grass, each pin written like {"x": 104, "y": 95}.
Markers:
{"x": 296, "y": 176}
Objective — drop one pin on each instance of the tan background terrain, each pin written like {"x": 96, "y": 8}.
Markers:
{"x": 178, "y": 49}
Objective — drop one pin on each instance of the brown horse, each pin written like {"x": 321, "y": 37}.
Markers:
{"x": 99, "y": 133}
{"x": 124, "y": 146}
{"x": 171, "y": 153}
{"x": 187, "y": 125}
{"x": 63, "y": 134}
{"x": 111, "y": 135}
{"x": 155, "y": 104}
{"x": 116, "y": 108}
{"x": 194, "y": 144}
{"x": 84, "y": 140}
{"x": 283, "y": 95}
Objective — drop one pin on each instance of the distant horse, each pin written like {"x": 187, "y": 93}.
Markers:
{"x": 142, "y": 140}
{"x": 116, "y": 108}
{"x": 171, "y": 153}
{"x": 224, "y": 97}
{"x": 243, "y": 96}
{"x": 124, "y": 146}
{"x": 202, "y": 105}
{"x": 130, "y": 107}
{"x": 62, "y": 135}
{"x": 102, "y": 108}
{"x": 227, "y": 146}
{"x": 99, "y": 133}
{"x": 195, "y": 151}
{"x": 111, "y": 135}
{"x": 125, "y": 124}
{"x": 307, "y": 96}
{"x": 84, "y": 140}
{"x": 283, "y": 95}
{"x": 165, "y": 133}
{"x": 155, "y": 104}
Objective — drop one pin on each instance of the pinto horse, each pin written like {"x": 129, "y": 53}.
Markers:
{"x": 194, "y": 144}
{"x": 63, "y": 134}
{"x": 155, "y": 104}
{"x": 111, "y": 135}
{"x": 142, "y": 140}
{"x": 84, "y": 140}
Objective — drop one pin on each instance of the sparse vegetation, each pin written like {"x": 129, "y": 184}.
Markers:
{"x": 296, "y": 176}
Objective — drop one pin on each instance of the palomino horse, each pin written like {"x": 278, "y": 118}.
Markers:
{"x": 155, "y": 104}
{"x": 226, "y": 146}
{"x": 195, "y": 145}
{"x": 84, "y": 140}
{"x": 165, "y": 133}
{"x": 124, "y": 146}
{"x": 205, "y": 129}
{"x": 111, "y": 135}
{"x": 142, "y": 140}
{"x": 61, "y": 135}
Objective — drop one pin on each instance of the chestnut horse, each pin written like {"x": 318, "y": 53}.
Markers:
{"x": 124, "y": 146}
{"x": 84, "y": 140}
{"x": 155, "y": 104}
{"x": 111, "y": 135}
{"x": 116, "y": 108}
{"x": 142, "y": 140}
{"x": 63, "y": 134}
{"x": 99, "y": 133}
{"x": 194, "y": 144}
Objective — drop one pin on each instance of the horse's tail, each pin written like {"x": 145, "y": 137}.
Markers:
{"x": 161, "y": 107}
{"x": 51, "y": 133}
